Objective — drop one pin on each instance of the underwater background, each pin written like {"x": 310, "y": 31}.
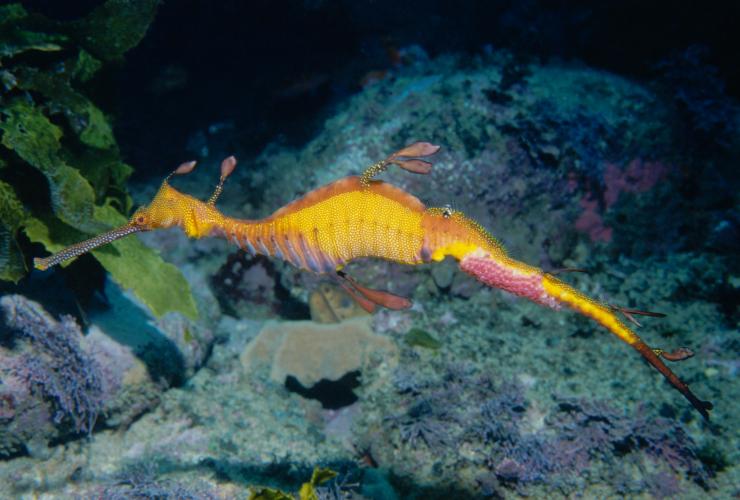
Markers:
{"x": 592, "y": 136}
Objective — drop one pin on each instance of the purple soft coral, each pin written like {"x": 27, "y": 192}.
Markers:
{"x": 424, "y": 421}
{"x": 594, "y": 428}
{"x": 140, "y": 482}
{"x": 56, "y": 366}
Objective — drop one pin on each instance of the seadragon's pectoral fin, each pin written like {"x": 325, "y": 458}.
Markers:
{"x": 369, "y": 298}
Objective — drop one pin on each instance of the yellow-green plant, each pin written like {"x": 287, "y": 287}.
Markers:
{"x": 307, "y": 491}
{"x": 51, "y": 131}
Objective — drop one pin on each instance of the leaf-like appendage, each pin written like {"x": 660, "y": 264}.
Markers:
{"x": 418, "y": 149}
{"x": 414, "y": 166}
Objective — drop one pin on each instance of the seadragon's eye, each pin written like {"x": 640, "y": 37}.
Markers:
{"x": 447, "y": 211}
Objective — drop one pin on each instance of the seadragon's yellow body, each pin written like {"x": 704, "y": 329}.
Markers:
{"x": 358, "y": 217}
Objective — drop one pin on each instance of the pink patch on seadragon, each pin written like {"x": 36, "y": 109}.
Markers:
{"x": 496, "y": 274}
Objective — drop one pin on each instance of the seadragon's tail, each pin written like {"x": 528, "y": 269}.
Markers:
{"x": 543, "y": 288}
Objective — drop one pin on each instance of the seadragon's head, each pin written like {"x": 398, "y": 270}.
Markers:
{"x": 169, "y": 208}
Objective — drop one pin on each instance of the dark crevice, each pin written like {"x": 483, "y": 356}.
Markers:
{"x": 332, "y": 394}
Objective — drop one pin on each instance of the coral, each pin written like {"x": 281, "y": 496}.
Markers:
{"x": 313, "y": 351}
{"x": 662, "y": 485}
{"x": 500, "y": 413}
{"x": 638, "y": 177}
{"x": 429, "y": 414}
{"x": 581, "y": 433}
{"x": 591, "y": 222}
{"x": 425, "y": 421}
{"x": 56, "y": 383}
{"x": 590, "y": 429}
{"x": 56, "y": 367}
{"x": 337, "y": 489}
{"x": 667, "y": 441}
{"x": 445, "y": 411}
{"x": 407, "y": 381}
{"x": 140, "y": 482}
{"x": 527, "y": 459}
{"x": 585, "y": 430}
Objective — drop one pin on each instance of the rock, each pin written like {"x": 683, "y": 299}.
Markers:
{"x": 192, "y": 340}
{"x": 50, "y": 385}
{"x": 443, "y": 273}
{"x": 125, "y": 379}
{"x": 57, "y": 383}
{"x": 464, "y": 286}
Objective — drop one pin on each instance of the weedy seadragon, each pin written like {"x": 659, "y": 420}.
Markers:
{"x": 359, "y": 216}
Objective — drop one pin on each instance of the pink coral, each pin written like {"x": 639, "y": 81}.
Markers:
{"x": 638, "y": 177}
{"x": 591, "y": 222}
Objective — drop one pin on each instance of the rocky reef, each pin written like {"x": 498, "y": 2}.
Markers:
{"x": 471, "y": 393}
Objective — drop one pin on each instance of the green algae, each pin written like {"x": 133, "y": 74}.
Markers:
{"x": 158, "y": 284}
{"x": 307, "y": 491}
{"x": 421, "y": 338}
{"x": 49, "y": 124}
{"x": 35, "y": 139}
{"x": 15, "y": 39}
{"x": 11, "y": 217}
{"x": 115, "y": 27}
{"x": 88, "y": 122}
{"x": 270, "y": 494}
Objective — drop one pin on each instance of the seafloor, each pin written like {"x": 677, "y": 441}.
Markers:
{"x": 471, "y": 393}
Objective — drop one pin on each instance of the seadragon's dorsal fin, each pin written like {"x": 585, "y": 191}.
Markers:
{"x": 349, "y": 185}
